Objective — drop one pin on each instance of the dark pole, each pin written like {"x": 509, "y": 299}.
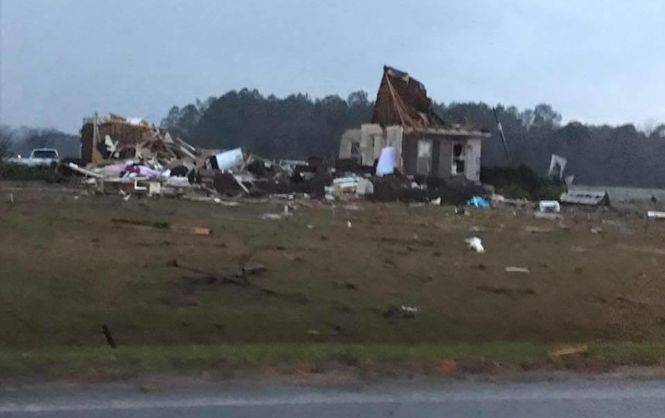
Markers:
{"x": 109, "y": 337}
{"x": 503, "y": 137}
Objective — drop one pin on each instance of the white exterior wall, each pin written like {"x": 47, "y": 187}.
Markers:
{"x": 368, "y": 148}
{"x": 472, "y": 155}
{"x": 373, "y": 138}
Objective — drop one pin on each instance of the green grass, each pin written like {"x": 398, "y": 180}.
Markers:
{"x": 328, "y": 289}
{"x": 138, "y": 359}
{"x": 310, "y": 358}
{"x": 20, "y": 172}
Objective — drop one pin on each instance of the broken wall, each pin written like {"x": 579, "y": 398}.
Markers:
{"x": 119, "y": 131}
{"x": 473, "y": 154}
{"x": 374, "y": 138}
{"x": 350, "y": 140}
{"x": 442, "y": 158}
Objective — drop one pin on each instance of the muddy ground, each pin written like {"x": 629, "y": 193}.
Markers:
{"x": 332, "y": 273}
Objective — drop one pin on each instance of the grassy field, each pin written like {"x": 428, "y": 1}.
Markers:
{"x": 329, "y": 290}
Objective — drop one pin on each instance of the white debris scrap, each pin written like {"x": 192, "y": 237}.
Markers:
{"x": 231, "y": 159}
{"x": 512, "y": 269}
{"x": 549, "y": 206}
{"x": 344, "y": 187}
{"x": 654, "y": 214}
{"x": 475, "y": 244}
{"x": 386, "y": 164}
{"x": 409, "y": 309}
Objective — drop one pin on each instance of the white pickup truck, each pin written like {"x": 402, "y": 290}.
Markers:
{"x": 39, "y": 157}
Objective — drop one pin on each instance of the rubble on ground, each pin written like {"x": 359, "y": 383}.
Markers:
{"x": 131, "y": 157}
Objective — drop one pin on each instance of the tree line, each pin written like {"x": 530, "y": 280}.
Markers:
{"x": 299, "y": 126}
{"x": 22, "y": 140}
{"x": 296, "y": 126}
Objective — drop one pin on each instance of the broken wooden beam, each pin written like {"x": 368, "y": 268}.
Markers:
{"x": 148, "y": 225}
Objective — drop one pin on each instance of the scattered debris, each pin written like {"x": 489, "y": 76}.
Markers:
{"x": 409, "y": 310}
{"x": 346, "y": 188}
{"x": 239, "y": 278}
{"x": 568, "y": 350}
{"x": 497, "y": 199}
{"x": 475, "y": 244}
{"x": 550, "y": 216}
{"x": 402, "y": 311}
{"x": 538, "y": 229}
{"x": 646, "y": 250}
{"x": 273, "y": 216}
{"x": 478, "y": 202}
{"x": 148, "y": 225}
{"x": 656, "y": 215}
{"x": 461, "y": 211}
{"x": 80, "y": 170}
{"x": 499, "y": 290}
{"x": 512, "y": 269}
{"x": 585, "y": 198}
{"x": 549, "y": 206}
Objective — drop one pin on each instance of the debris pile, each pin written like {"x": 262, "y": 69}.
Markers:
{"x": 130, "y": 156}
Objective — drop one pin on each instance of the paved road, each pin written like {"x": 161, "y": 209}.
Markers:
{"x": 529, "y": 400}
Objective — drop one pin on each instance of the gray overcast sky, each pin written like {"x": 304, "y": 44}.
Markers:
{"x": 595, "y": 61}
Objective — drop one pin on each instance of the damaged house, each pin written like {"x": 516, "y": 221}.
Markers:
{"x": 117, "y": 137}
{"x": 424, "y": 144}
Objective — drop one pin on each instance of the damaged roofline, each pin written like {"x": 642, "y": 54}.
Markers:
{"x": 448, "y": 132}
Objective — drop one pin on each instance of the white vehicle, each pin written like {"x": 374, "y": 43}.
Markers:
{"x": 39, "y": 157}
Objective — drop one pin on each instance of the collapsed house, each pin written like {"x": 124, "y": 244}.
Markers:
{"x": 131, "y": 156}
{"x": 117, "y": 138}
{"x": 423, "y": 143}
